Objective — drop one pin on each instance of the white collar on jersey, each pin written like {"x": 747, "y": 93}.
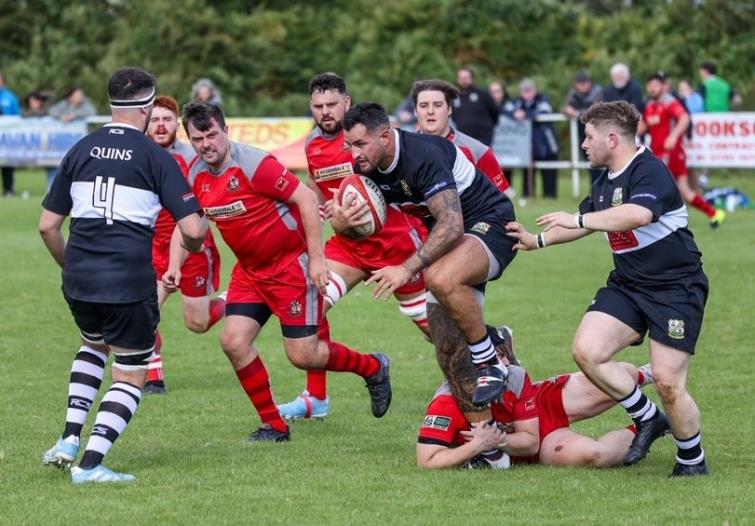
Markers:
{"x": 121, "y": 125}
{"x": 395, "y": 158}
{"x": 614, "y": 175}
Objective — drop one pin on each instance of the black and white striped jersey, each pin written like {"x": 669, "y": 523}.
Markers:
{"x": 662, "y": 251}
{"x": 113, "y": 183}
{"x": 425, "y": 165}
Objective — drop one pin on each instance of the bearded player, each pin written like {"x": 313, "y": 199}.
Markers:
{"x": 667, "y": 121}
{"x": 272, "y": 224}
{"x": 350, "y": 259}
{"x": 433, "y": 103}
{"x": 200, "y": 274}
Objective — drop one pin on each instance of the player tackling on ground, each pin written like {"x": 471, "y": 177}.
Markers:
{"x": 467, "y": 245}
{"x": 533, "y": 422}
{"x": 200, "y": 274}
{"x": 113, "y": 183}
{"x": 272, "y": 224}
{"x": 657, "y": 287}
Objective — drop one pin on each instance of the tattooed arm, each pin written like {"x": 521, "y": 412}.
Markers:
{"x": 448, "y": 229}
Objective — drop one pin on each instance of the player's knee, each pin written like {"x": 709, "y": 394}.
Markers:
{"x": 195, "y": 325}
{"x": 583, "y": 354}
{"x": 233, "y": 343}
{"x": 668, "y": 388}
{"x": 303, "y": 357}
{"x": 438, "y": 281}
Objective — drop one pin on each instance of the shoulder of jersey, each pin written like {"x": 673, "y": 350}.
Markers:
{"x": 246, "y": 157}
{"x": 477, "y": 148}
{"x": 314, "y": 134}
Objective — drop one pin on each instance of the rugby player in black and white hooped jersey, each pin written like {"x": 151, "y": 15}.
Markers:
{"x": 467, "y": 246}
{"x": 113, "y": 184}
{"x": 657, "y": 287}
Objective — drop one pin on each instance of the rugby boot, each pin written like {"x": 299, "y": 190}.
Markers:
{"x": 379, "y": 386}
{"x": 647, "y": 433}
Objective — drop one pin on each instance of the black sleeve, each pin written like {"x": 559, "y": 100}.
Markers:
{"x": 174, "y": 191}
{"x": 652, "y": 187}
{"x": 58, "y": 199}
{"x": 434, "y": 174}
{"x": 586, "y": 205}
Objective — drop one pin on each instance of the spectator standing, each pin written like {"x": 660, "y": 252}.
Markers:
{"x": 405, "y": 116}
{"x": 74, "y": 106}
{"x": 529, "y": 104}
{"x": 204, "y": 90}
{"x": 692, "y": 99}
{"x": 8, "y": 106}
{"x": 475, "y": 111}
{"x": 584, "y": 94}
{"x": 718, "y": 95}
{"x": 623, "y": 87}
{"x": 497, "y": 90}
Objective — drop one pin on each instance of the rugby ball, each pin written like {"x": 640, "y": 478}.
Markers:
{"x": 364, "y": 189}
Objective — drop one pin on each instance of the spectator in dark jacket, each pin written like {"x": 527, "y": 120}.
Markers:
{"x": 475, "y": 111}
{"x": 528, "y": 105}
{"x": 584, "y": 94}
{"x": 623, "y": 87}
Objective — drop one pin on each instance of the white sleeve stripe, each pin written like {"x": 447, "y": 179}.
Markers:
{"x": 463, "y": 171}
{"x": 128, "y": 204}
{"x": 666, "y": 225}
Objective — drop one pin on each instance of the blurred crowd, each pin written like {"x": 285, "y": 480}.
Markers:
{"x": 476, "y": 111}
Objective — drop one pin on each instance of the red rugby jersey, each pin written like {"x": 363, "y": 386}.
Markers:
{"x": 328, "y": 160}
{"x": 481, "y": 156}
{"x": 247, "y": 202}
{"x": 185, "y": 156}
{"x": 661, "y": 116}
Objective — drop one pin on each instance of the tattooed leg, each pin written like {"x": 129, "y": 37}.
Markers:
{"x": 452, "y": 353}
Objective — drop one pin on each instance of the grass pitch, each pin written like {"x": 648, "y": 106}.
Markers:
{"x": 188, "y": 448}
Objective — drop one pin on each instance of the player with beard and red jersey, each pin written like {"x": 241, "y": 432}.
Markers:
{"x": 433, "y": 104}
{"x": 350, "y": 258}
{"x": 200, "y": 274}
{"x": 667, "y": 121}
{"x": 272, "y": 224}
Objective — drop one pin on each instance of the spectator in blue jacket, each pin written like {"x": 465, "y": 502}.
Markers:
{"x": 528, "y": 105}
{"x": 8, "y": 106}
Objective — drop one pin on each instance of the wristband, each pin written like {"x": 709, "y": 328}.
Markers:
{"x": 541, "y": 241}
{"x": 580, "y": 220}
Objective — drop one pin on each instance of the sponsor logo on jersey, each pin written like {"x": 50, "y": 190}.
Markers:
{"x": 618, "y": 196}
{"x": 233, "y": 183}
{"x": 405, "y": 187}
{"x": 234, "y": 209}
{"x": 676, "y": 329}
{"x": 529, "y": 404}
{"x": 281, "y": 183}
{"x": 337, "y": 171}
{"x": 295, "y": 308}
{"x": 116, "y": 131}
{"x": 114, "y": 154}
{"x": 200, "y": 282}
{"x": 481, "y": 228}
{"x": 187, "y": 197}
{"x": 206, "y": 187}
{"x": 441, "y": 423}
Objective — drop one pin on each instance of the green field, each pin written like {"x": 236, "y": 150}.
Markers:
{"x": 188, "y": 449}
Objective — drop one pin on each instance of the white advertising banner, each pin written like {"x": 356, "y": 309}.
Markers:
{"x": 722, "y": 140}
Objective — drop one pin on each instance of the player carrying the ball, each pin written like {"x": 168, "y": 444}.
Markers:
{"x": 431, "y": 178}
{"x": 272, "y": 224}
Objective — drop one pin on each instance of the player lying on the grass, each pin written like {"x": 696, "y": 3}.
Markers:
{"x": 433, "y": 105}
{"x": 200, "y": 273}
{"x": 350, "y": 259}
{"x": 272, "y": 224}
{"x": 531, "y": 425}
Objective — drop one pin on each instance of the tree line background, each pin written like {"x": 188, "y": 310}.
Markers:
{"x": 261, "y": 54}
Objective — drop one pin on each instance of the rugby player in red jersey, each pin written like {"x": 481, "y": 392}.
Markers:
{"x": 272, "y": 224}
{"x": 350, "y": 259}
{"x": 533, "y": 425}
{"x": 667, "y": 121}
{"x": 200, "y": 274}
{"x": 433, "y": 101}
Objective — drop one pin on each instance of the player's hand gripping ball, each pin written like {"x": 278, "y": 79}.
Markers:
{"x": 362, "y": 189}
